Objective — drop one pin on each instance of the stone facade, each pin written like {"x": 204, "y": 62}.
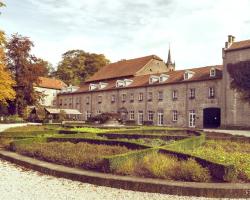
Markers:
{"x": 144, "y": 101}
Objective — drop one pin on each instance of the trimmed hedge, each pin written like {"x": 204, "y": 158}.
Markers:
{"x": 113, "y": 162}
{"x": 188, "y": 143}
{"x": 16, "y": 143}
{"x": 130, "y": 145}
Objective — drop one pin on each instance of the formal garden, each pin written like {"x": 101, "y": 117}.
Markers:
{"x": 145, "y": 151}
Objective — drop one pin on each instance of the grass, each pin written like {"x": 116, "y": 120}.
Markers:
{"x": 31, "y": 128}
{"x": 227, "y": 152}
{"x": 82, "y": 155}
{"x": 156, "y": 165}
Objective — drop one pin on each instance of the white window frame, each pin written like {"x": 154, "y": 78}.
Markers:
{"x": 174, "y": 94}
{"x": 211, "y": 92}
{"x": 124, "y": 96}
{"x": 132, "y": 96}
{"x": 160, "y": 118}
{"x": 175, "y": 115}
{"x": 212, "y": 72}
{"x": 140, "y": 117}
{"x": 140, "y": 97}
{"x": 192, "y": 119}
{"x": 99, "y": 99}
{"x": 132, "y": 115}
{"x": 192, "y": 93}
{"x": 160, "y": 95}
{"x": 113, "y": 98}
{"x": 150, "y": 115}
{"x": 150, "y": 96}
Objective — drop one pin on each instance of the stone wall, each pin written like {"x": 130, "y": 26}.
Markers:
{"x": 183, "y": 104}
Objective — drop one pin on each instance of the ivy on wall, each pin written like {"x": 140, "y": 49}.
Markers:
{"x": 240, "y": 74}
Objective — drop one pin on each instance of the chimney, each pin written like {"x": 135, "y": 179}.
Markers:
{"x": 230, "y": 41}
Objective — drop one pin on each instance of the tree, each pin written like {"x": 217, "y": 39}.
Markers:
{"x": 240, "y": 74}
{"x": 25, "y": 69}
{"x": 77, "y": 65}
{"x": 6, "y": 82}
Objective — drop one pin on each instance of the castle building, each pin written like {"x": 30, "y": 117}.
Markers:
{"x": 147, "y": 90}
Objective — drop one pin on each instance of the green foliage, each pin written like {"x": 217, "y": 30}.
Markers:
{"x": 83, "y": 155}
{"x": 77, "y": 65}
{"x": 104, "y": 117}
{"x": 240, "y": 73}
{"x": 13, "y": 119}
{"x": 25, "y": 69}
{"x": 228, "y": 153}
{"x": 187, "y": 144}
{"x": 155, "y": 165}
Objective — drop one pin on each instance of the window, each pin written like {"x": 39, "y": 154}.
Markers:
{"x": 60, "y": 104}
{"x": 120, "y": 83}
{"x": 175, "y": 116}
{"x": 124, "y": 97}
{"x": 88, "y": 115}
{"x": 150, "y": 96}
{"x": 211, "y": 92}
{"x": 192, "y": 117}
{"x": 153, "y": 79}
{"x": 160, "y": 95}
{"x": 93, "y": 86}
{"x": 140, "y": 97}
{"x": 131, "y": 97}
{"x": 140, "y": 117}
{"x": 87, "y": 100}
{"x": 98, "y": 112}
{"x": 150, "y": 115}
{"x": 160, "y": 118}
{"x": 99, "y": 99}
{"x": 192, "y": 93}
{"x": 188, "y": 74}
{"x": 163, "y": 78}
{"x": 174, "y": 94}
{"x": 132, "y": 115}
{"x": 113, "y": 99}
{"x": 212, "y": 72}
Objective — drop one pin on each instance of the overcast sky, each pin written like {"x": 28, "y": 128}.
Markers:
{"x": 121, "y": 29}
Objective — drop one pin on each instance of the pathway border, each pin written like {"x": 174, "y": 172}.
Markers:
{"x": 219, "y": 190}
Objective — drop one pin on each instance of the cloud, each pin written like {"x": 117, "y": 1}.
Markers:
{"x": 195, "y": 29}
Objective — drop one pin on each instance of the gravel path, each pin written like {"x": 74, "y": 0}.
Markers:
{"x": 19, "y": 183}
{"x": 232, "y": 132}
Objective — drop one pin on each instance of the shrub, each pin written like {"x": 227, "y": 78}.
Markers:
{"x": 84, "y": 155}
{"x": 156, "y": 165}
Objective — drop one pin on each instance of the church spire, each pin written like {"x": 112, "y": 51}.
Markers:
{"x": 170, "y": 64}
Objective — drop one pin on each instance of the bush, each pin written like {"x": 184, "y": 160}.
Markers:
{"x": 104, "y": 117}
{"x": 13, "y": 119}
{"x": 84, "y": 155}
{"x": 155, "y": 165}
{"x": 148, "y": 123}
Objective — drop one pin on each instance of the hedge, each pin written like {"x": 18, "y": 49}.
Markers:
{"x": 110, "y": 163}
{"x": 129, "y": 145}
{"x": 16, "y": 143}
{"x": 28, "y": 133}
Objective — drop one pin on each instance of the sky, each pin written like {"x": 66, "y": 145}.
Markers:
{"x": 195, "y": 30}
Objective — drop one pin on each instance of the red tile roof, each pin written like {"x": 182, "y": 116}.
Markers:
{"x": 50, "y": 83}
{"x": 200, "y": 74}
{"x": 124, "y": 68}
{"x": 239, "y": 45}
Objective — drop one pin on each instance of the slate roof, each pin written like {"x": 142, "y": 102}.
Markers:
{"x": 50, "y": 83}
{"x": 124, "y": 68}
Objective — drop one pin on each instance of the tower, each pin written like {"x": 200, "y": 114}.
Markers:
{"x": 170, "y": 65}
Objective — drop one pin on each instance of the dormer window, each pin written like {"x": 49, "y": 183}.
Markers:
{"x": 127, "y": 82}
{"x": 102, "y": 85}
{"x": 212, "y": 72}
{"x": 163, "y": 78}
{"x": 153, "y": 79}
{"x": 93, "y": 86}
{"x": 188, "y": 74}
{"x": 120, "y": 83}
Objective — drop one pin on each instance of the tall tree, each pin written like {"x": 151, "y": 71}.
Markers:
{"x": 77, "y": 65}
{"x": 6, "y": 81}
{"x": 25, "y": 69}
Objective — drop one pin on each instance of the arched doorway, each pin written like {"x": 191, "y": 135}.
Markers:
{"x": 211, "y": 117}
